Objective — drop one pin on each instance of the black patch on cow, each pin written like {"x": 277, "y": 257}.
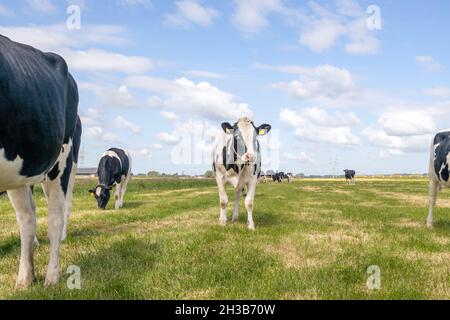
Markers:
{"x": 229, "y": 166}
{"x": 53, "y": 174}
{"x": 38, "y": 106}
{"x": 350, "y": 174}
{"x": 214, "y": 167}
{"x": 442, "y": 149}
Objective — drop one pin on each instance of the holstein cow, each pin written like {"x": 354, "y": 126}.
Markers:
{"x": 280, "y": 176}
{"x": 39, "y": 141}
{"x": 439, "y": 174}
{"x": 114, "y": 170}
{"x": 237, "y": 160}
{"x": 350, "y": 176}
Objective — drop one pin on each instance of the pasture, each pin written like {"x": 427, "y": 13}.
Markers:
{"x": 314, "y": 239}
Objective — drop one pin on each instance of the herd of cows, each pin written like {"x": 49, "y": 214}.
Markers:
{"x": 40, "y": 135}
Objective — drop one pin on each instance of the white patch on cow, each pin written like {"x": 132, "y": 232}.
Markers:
{"x": 98, "y": 190}
{"x": 112, "y": 154}
{"x": 10, "y": 177}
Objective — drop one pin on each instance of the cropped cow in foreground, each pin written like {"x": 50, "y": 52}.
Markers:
{"x": 350, "y": 176}
{"x": 114, "y": 170}
{"x": 280, "y": 176}
{"x": 439, "y": 174}
{"x": 39, "y": 140}
{"x": 237, "y": 160}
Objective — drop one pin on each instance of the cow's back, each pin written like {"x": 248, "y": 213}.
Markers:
{"x": 38, "y": 107}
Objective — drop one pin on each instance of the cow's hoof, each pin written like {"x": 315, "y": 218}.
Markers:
{"x": 251, "y": 226}
{"x": 26, "y": 282}
{"x": 51, "y": 280}
{"x": 429, "y": 225}
{"x": 223, "y": 222}
{"x": 235, "y": 218}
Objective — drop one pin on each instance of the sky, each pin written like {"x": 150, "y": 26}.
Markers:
{"x": 345, "y": 84}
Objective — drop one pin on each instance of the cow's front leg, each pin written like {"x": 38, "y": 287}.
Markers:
{"x": 118, "y": 196}
{"x": 237, "y": 198}
{"x": 69, "y": 200}
{"x": 23, "y": 203}
{"x": 223, "y": 201}
{"x": 249, "y": 201}
{"x": 434, "y": 187}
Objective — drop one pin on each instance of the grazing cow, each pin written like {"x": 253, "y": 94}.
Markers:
{"x": 39, "y": 141}
{"x": 439, "y": 173}
{"x": 280, "y": 176}
{"x": 237, "y": 160}
{"x": 114, "y": 170}
{"x": 350, "y": 176}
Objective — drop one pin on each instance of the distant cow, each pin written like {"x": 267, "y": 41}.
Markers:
{"x": 114, "y": 170}
{"x": 280, "y": 176}
{"x": 39, "y": 141}
{"x": 350, "y": 176}
{"x": 237, "y": 160}
{"x": 439, "y": 173}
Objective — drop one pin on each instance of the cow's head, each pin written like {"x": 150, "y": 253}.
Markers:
{"x": 245, "y": 138}
{"x": 102, "y": 194}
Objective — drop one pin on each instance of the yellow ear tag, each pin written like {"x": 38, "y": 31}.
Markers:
{"x": 228, "y": 131}
{"x": 262, "y": 132}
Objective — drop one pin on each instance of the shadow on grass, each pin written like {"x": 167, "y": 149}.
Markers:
{"x": 113, "y": 272}
{"x": 442, "y": 225}
{"x": 12, "y": 244}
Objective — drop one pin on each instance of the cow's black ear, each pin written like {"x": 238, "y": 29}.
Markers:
{"x": 263, "y": 129}
{"x": 228, "y": 128}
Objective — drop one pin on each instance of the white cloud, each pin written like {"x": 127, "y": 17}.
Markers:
{"x": 171, "y": 116}
{"x": 122, "y": 123}
{"x": 324, "y": 81}
{"x": 429, "y": 64}
{"x": 132, "y": 3}
{"x": 316, "y": 125}
{"x": 251, "y": 16}
{"x": 143, "y": 152}
{"x": 193, "y": 99}
{"x": 111, "y": 96}
{"x": 302, "y": 157}
{"x": 94, "y": 60}
{"x": 168, "y": 138}
{"x": 439, "y": 92}
{"x": 324, "y": 28}
{"x": 402, "y": 131}
{"x": 5, "y": 11}
{"x": 191, "y": 12}
{"x": 157, "y": 146}
{"x": 205, "y": 74}
{"x": 42, "y": 6}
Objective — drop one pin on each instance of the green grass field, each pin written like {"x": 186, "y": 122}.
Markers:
{"x": 314, "y": 239}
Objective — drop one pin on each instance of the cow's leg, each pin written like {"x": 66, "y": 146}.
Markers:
{"x": 221, "y": 183}
{"x": 69, "y": 200}
{"x": 434, "y": 187}
{"x": 124, "y": 189}
{"x": 237, "y": 198}
{"x": 23, "y": 203}
{"x": 249, "y": 200}
{"x": 118, "y": 196}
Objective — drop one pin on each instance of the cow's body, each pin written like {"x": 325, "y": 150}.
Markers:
{"x": 350, "y": 176}
{"x": 38, "y": 144}
{"x": 280, "y": 176}
{"x": 439, "y": 173}
{"x": 238, "y": 166}
{"x": 114, "y": 170}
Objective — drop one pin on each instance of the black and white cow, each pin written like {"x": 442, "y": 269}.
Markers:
{"x": 114, "y": 170}
{"x": 39, "y": 140}
{"x": 350, "y": 176}
{"x": 237, "y": 160}
{"x": 280, "y": 176}
{"x": 439, "y": 173}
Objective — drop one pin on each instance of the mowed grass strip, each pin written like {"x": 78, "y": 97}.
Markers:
{"x": 315, "y": 239}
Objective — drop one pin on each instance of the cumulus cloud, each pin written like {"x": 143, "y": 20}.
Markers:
{"x": 109, "y": 95}
{"x": 191, "y": 12}
{"x": 429, "y": 64}
{"x": 316, "y": 125}
{"x": 301, "y": 157}
{"x": 402, "y": 131}
{"x": 324, "y": 28}
{"x": 205, "y": 74}
{"x": 323, "y": 81}
{"x": 189, "y": 98}
{"x": 171, "y": 116}
{"x": 251, "y": 16}
{"x": 439, "y": 92}
{"x": 122, "y": 123}
{"x": 168, "y": 138}
{"x": 42, "y": 6}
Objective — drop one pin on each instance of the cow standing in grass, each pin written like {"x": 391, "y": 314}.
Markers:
{"x": 439, "y": 173}
{"x": 39, "y": 141}
{"x": 114, "y": 170}
{"x": 350, "y": 176}
{"x": 237, "y": 160}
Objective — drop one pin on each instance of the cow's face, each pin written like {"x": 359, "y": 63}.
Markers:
{"x": 102, "y": 196}
{"x": 245, "y": 138}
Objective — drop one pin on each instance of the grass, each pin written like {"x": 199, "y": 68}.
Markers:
{"x": 315, "y": 239}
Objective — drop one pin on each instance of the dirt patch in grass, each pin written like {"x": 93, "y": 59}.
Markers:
{"x": 406, "y": 223}
{"x": 417, "y": 200}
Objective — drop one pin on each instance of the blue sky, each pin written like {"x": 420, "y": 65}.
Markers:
{"x": 158, "y": 77}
